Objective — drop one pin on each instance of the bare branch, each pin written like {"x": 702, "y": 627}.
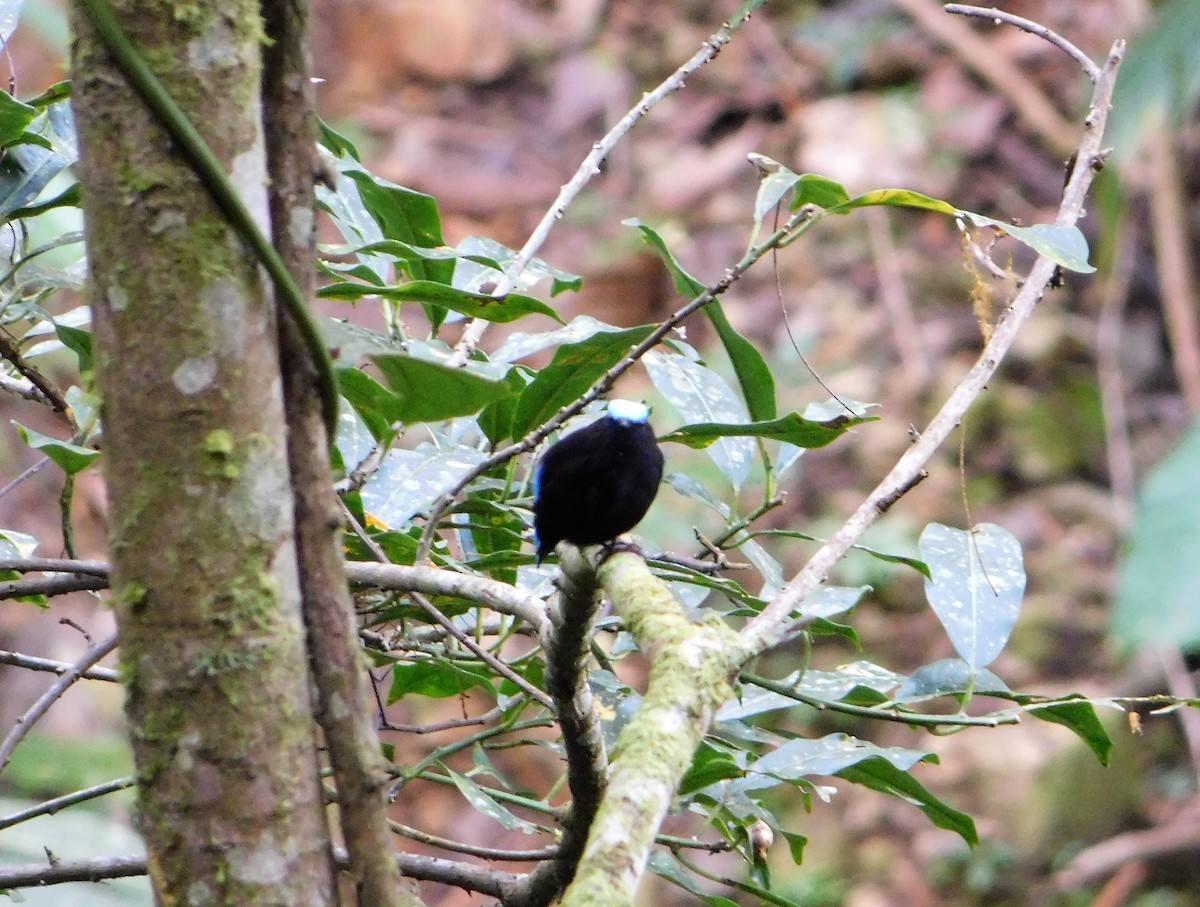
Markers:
{"x": 47, "y": 699}
{"x": 47, "y": 388}
{"x": 999, "y": 17}
{"x": 480, "y": 652}
{"x": 50, "y": 807}
{"x": 50, "y": 585}
{"x": 429, "y": 869}
{"x": 1027, "y": 99}
{"x": 590, "y": 167}
{"x": 33, "y": 663}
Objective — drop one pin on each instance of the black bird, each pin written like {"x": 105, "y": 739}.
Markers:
{"x": 597, "y": 482}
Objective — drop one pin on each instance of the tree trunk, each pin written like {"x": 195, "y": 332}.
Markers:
{"x": 201, "y": 532}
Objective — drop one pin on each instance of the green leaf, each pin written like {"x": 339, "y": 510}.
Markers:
{"x": 753, "y": 374}
{"x": 879, "y": 768}
{"x": 59, "y": 91}
{"x": 792, "y": 428}
{"x": 685, "y": 283}
{"x": 496, "y": 420}
{"x": 431, "y": 293}
{"x": 71, "y": 457}
{"x": 430, "y": 392}
{"x": 68, "y": 198}
{"x": 1077, "y": 714}
{"x": 486, "y": 804}
{"x": 378, "y": 407}
{"x": 709, "y": 766}
{"x": 884, "y": 776}
{"x": 15, "y": 116}
{"x": 1159, "y": 584}
{"x": 830, "y": 755}
{"x": 796, "y": 844}
{"x": 1065, "y": 246}
{"x": 663, "y": 863}
{"x": 437, "y": 679}
{"x": 404, "y": 214}
{"x": 820, "y": 191}
{"x": 977, "y": 586}
{"x": 19, "y": 545}
{"x": 574, "y": 368}
{"x": 895, "y": 198}
{"x": 79, "y": 342}
{"x": 336, "y": 142}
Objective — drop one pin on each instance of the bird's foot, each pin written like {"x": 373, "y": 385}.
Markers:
{"x": 616, "y": 546}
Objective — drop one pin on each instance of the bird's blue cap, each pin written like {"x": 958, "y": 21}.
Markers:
{"x": 628, "y": 411}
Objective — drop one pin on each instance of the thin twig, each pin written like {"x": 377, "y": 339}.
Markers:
{"x": 60, "y": 584}
{"x": 53, "y": 565}
{"x": 33, "y": 663}
{"x": 23, "y": 388}
{"x": 590, "y": 167}
{"x": 774, "y": 623}
{"x": 49, "y": 390}
{"x": 1000, "y": 17}
{"x": 52, "y": 695}
{"x": 486, "y": 853}
{"x": 480, "y": 652}
{"x": 50, "y": 807}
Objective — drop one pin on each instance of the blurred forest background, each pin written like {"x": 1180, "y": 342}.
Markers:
{"x": 489, "y": 105}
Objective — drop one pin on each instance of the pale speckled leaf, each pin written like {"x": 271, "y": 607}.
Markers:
{"x": 353, "y": 437}
{"x": 701, "y": 395}
{"x": 977, "y": 586}
{"x": 487, "y": 804}
{"x": 829, "y": 601}
{"x": 769, "y": 568}
{"x": 948, "y": 677}
{"x": 829, "y": 755}
{"x": 828, "y": 685}
{"x": 410, "y": 480}
{"x": 351, "y": 216}
{"x": 520, "y": 344}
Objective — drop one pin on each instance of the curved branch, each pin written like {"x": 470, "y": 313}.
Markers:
{"x": 1034, "y": 28}
{"x": 572, "y": 619}
{"x": 691, "y": 666}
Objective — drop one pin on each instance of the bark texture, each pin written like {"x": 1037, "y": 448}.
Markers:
{"x": 201, "y": 537}
{"x": 344, "y": 704}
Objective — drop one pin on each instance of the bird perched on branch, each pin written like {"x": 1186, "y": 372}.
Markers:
{"x": 597, "y": 482}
